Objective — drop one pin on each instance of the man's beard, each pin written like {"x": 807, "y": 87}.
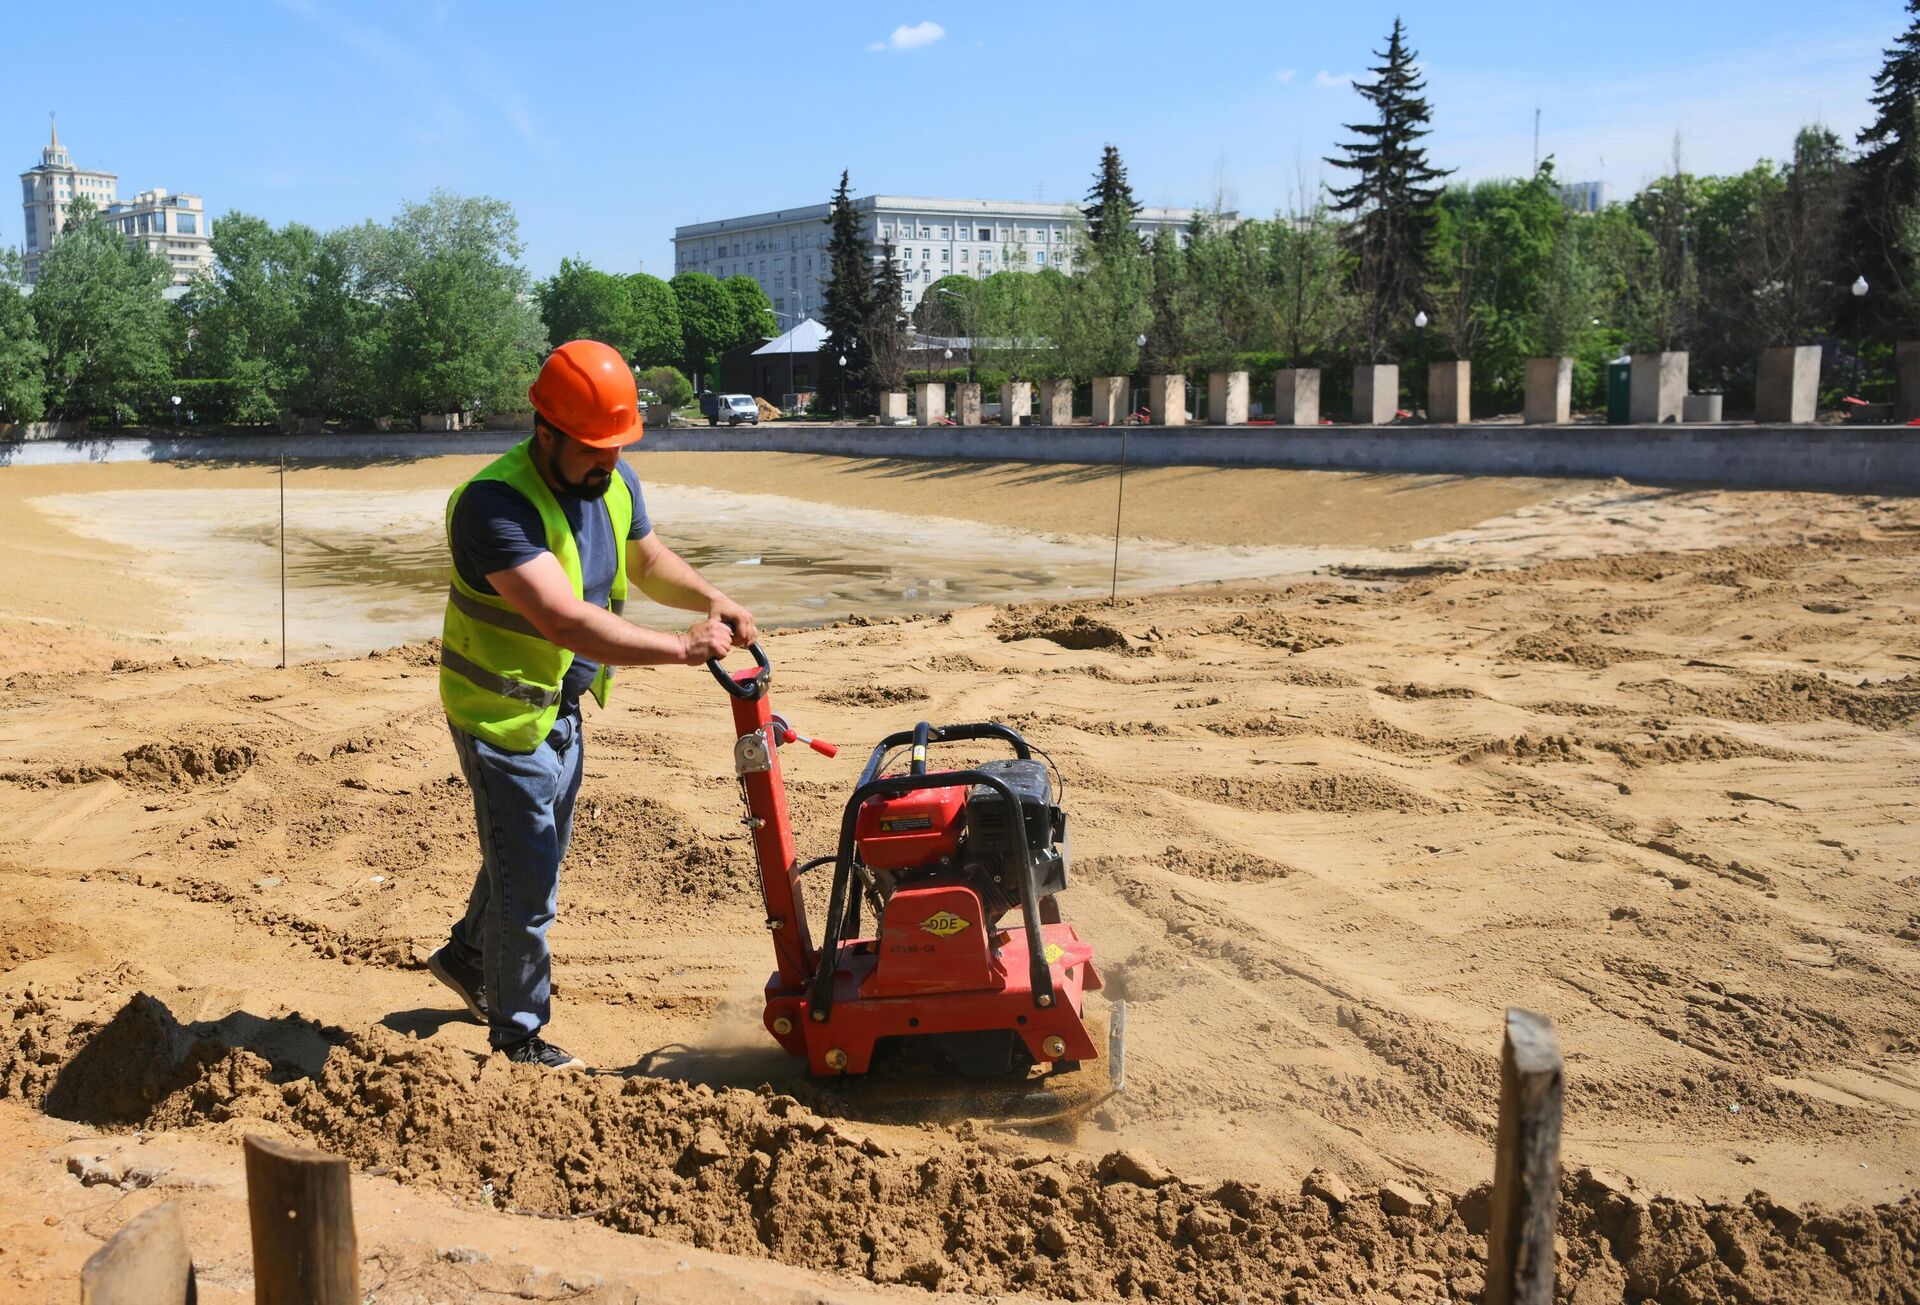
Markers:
{"x": 593, "y": 485}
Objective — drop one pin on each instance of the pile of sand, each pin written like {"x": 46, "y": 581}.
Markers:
{"x": 762, "y": 1174}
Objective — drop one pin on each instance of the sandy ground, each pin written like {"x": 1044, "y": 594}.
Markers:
{"x": 1324, "y": 833}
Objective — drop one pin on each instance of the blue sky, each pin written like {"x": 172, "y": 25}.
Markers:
{"x": 608, "y": 124}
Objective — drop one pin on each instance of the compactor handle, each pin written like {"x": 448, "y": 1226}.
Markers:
{"x": 744, "y": 687}
{"x": 820, "y": 746}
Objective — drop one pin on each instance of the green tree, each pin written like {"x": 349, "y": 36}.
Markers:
{"x": 580, "y": 302}
{"x": 1102, "y": 314}
{"x": 462, "y": 330}
{"x": 1390, "y": 203}
{"x": 654, "y": 323}
{"x": 341, "y": 365}
{"x": 1111, "y": 208}
{"x": 1014, "y": 316}
{"x": 108, "y": 331}
{"x": 1309, "y": 304}
{"x": 669, "y": 385}
{"x": 951, "y": 306}
{"x": 1170, "y": 337}
{"x": 1661, "y": 307}
{"x": 244, "y": 316}
{"x": 1886, "y": 194}
{"x": 708, "y": 322}
{"x": 1230, "y": 291}
{"x": 885, "y": 336}
{"x": 1791, "y": 255}
{"x": 847, "y": 299}
{"x": 1494, "y": 291}
{"x": 22, "y": 357}
{"x": 752, "y": 311}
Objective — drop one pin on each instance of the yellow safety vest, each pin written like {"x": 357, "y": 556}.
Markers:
{"x": 499, "y": 677}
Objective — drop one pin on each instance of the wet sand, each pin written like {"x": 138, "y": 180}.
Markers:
{"x": 1642, "y": 761}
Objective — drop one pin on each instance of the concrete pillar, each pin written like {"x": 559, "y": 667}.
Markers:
{"x": 1906, "y": 367}
{"x": 1701, "y": 408}
{"x": 893, "y": 407}
{"x": 1167, "y": 399}
{"x": 1226, "y": 398}
{"x": 1376, "y": 393}
{"x": 966, "y": 403}
{"x": 1056, "y": 402}
{"x": 1016, "y": 402}
{"x": 1109, "y": 400}
{"x": 1657, "y": 388}
{"x": 439, "y": 421}
{"x": 1448, "y": 386}
{"x": 1549, "y": 391}
{"x": 1296, "y": 396}
{"x": 1787, "y": 389}
{"x": 931, "y": 398}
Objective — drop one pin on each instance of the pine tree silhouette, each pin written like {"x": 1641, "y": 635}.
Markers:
{"x": 1111, "y": 208}
{"x": 1391, "y": 199}
{"x": 847, "y": 304}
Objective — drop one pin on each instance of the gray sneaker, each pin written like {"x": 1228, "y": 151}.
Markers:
{"x": 536, "y": 1050}
{"x": 464, "y": 981}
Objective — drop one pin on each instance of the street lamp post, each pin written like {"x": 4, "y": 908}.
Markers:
{"x": 967, "y": 326}
{"x": 176, "y": 410}
{"x": 1859, "y": 289}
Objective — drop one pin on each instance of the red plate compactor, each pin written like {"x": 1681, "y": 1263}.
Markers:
{"x": 942, "y": 858}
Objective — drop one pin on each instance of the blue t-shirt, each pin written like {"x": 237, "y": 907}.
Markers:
{"x": 496, "y": 529}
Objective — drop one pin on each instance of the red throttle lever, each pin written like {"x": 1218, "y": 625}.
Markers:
{"x": 784, "y": 733}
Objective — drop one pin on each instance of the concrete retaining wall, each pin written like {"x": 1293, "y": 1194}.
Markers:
{"x": 1866, "y": 459}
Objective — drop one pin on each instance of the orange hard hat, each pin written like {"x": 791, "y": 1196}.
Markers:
{"x": 586, "y": 389}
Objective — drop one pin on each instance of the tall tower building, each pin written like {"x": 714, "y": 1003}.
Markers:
{"x": 175, "y": 227}
{"x": 48, "y": 191}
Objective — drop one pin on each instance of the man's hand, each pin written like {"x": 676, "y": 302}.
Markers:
{"x": 722, "y": 608}
{"x": 706, "y": 641}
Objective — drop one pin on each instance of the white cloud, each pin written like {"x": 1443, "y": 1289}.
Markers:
{"x": 1285, "y": 74}
{"x": 910, "y": 38}
{"x": 1323, "y": 78}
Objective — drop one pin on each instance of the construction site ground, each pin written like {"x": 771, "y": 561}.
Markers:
{"x": 1640, "y": 760}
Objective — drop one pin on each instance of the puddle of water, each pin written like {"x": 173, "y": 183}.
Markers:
{"x": 368, "y": 568}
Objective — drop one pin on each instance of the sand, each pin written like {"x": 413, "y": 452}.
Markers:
{"x": 1324, "y": 833}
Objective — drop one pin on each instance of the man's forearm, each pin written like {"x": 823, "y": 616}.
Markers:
{"x": 672, "y": 582}
{"x": 597, "y": 633}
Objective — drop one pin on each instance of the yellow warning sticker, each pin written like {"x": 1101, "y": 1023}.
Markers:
{"x": 944, "y": 924}
{"x": 1054, "y": 952}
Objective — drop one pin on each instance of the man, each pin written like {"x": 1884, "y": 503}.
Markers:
{"x": 545, "y": 541}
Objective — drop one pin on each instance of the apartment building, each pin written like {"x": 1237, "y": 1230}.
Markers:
{"x": 172, "y": 226}
{"x": 786, "y": 250}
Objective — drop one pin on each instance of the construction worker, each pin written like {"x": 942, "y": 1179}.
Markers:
{"x": 545, "y": 541}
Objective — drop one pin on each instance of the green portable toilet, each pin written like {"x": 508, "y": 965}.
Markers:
{"x": 1619, "y": 391}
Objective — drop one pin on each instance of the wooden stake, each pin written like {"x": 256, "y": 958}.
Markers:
{"x": 1526, "y": 1164}
{"x": 146, "y": 1263}
{"x": 300, "y": 1203}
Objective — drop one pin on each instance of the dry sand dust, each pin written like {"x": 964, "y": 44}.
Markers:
{"x": 1324, "y": 833}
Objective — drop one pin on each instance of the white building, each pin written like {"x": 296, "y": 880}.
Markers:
{"x": 1586, "y": 196}
{"x": 172, "y": 226}
{"x": 786, "y": 251}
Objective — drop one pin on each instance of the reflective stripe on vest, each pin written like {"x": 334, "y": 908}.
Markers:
{"x": 500, "y": 679}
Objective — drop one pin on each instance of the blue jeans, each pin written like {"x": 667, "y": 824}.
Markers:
{"x": 523, "y": 805}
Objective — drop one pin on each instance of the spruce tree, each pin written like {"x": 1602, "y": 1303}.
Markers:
{"x": 1111, "y": 208}
{"x": 885, "y": 338}
{"x": 1887, "y": 177}
{"x": 1390, "y": 203}
{"x": 847, "y": 303}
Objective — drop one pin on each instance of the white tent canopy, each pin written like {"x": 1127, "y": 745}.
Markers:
{"x": 807, "y": 336}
